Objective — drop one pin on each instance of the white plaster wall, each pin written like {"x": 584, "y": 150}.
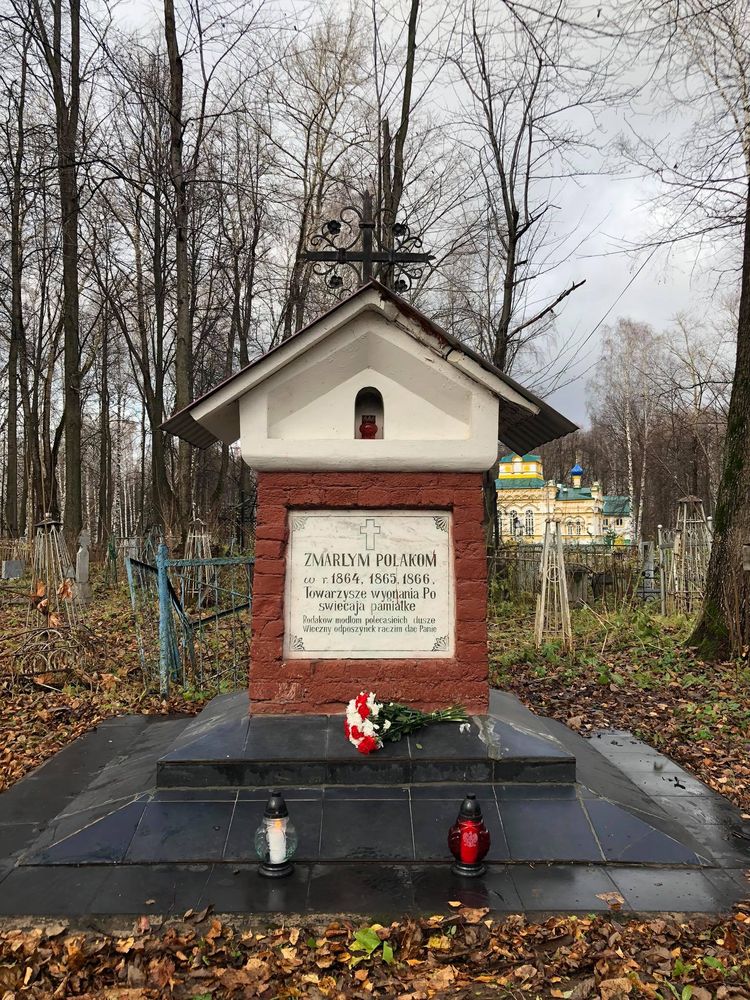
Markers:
{"x": 408, "y": 416}
{"x": 435, "y": 415}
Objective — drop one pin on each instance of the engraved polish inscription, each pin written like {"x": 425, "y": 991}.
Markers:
{"x": 369, "y": 584}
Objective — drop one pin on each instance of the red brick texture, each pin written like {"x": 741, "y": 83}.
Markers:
{"x": 324, "y": 686}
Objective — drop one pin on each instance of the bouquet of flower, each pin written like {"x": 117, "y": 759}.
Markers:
{"x": 370, "y": 723}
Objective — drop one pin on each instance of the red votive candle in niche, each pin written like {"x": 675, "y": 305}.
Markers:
{"x": 368, "y": 428}
{"x": 469, "y": 839}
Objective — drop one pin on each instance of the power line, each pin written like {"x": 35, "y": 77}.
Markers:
{"x": 554, "y": 387}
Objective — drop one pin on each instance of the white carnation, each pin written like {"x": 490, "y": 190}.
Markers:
{"x": 352, "y": 717}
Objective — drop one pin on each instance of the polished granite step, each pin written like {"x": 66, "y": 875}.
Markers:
{"x": 90, "y": 833}
{"x": 225, "y": 746}
{"x": 533, "y": 823}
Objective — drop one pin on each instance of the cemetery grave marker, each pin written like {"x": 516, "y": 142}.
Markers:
{"x": 370, "y": 431}
{"x": 83, "y": 586}
{"x": 12, "y": 569}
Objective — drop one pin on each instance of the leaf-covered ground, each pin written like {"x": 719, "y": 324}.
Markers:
{"x": 629, "y": 670}
{"x": 633, "y": 670}
{"x": 463, "y": 955}
{"x": 37, "y": 719}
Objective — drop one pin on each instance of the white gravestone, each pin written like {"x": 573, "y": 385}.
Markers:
{"x": 12, "y": 569}
{"x": 364, "y": 584}
{"x": 83, "y": 586}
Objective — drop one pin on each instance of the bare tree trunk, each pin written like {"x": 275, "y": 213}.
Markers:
{"x": 162, "y": 497}
{"x": 11, "y": 460}
{"x": 501, "y": 337}
{"x": 724, "y": 625}
{"x": 631, "y": 471}
{"x": 641, "y": 496}
{"x": 183, "y": 338}
{"x": 16, "y": 315}
{"x": 62, "y": 55}
{"x": 646, "y": 405}
{"x": 142, "y": 478}
{"x": 104, "y": 526}
{"x": 69, "y": 203}
{"x": 392, "y": 163}
{"x": 31, "y": 439}
{"x": 26, "y": 498}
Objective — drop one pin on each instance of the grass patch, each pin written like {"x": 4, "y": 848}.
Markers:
{"x": 632, "y": 669}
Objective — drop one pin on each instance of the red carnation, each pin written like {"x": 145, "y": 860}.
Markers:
{"x": 347, "y": 731}
{"x": 367, "y": 744}
{"x": 362, "y": 706}
{"x": 356, "y": 733}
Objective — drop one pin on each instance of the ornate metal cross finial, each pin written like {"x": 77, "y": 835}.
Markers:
{"x": 335, "y": 246}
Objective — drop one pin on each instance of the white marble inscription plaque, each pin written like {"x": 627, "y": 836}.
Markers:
{"x": 369, "y": 584}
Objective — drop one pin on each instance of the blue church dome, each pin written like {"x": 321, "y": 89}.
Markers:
{"x": 576, "y": 470}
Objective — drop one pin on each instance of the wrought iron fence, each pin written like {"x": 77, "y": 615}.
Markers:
{"x": 608, "y": 574}
{"x": 192, "y": 637}
{"x": 17, "y": 549}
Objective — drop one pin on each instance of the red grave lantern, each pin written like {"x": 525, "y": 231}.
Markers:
{"x": 368, "y": 428}
{"x": 469, "y": 839}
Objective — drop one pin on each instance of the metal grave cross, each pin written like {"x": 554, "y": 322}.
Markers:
{"x": 370, "y": 529}
{"x": 398, "y": 251}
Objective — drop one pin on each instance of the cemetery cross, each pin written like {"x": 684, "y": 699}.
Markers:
{"x": 339, "y": 239}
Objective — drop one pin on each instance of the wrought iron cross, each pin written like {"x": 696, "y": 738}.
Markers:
{"x": 336, "y": 245}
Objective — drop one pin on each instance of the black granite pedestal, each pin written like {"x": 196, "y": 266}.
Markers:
{"x": 227, "y": 747}
{"x": 159, "y": 816}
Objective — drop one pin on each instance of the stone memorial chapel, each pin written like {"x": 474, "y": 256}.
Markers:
{"x": 370, "y": 431}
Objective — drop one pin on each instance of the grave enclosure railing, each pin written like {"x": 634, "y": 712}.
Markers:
{"x": 682, "y": 557}
{"x": 192, "y": 619}
{"x": 611, "y": 575}
{"x": 15, "y": 548}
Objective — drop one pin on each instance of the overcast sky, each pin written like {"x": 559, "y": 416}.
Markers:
{"x": 650, "y": 288}
{"x": 613, "y": 211}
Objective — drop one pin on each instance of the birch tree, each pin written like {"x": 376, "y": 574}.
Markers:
{"x": 624, "y": 399}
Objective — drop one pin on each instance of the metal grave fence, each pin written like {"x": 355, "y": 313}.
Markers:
{"x": 188, "y": 637}
{"x": 610, "y": 575}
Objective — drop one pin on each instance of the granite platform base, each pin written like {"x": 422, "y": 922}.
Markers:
{"x": 102, "y": 828}
{"x": 227, "y": 747}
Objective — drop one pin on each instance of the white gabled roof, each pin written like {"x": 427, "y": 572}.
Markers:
{"x": 525, "y": 420}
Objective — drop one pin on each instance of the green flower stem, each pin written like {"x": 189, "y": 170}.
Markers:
{"x": 405, "y": 720}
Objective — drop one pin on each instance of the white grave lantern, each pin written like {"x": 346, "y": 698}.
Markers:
{"x": 276, "y": 839}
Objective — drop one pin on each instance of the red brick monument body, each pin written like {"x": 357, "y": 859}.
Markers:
{"x": 280, "y": 684}
{"x": 370, "y": 431}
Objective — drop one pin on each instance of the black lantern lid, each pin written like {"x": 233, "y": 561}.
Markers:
{"x": 470, "y": 808}
{"x": 276, "y": 807}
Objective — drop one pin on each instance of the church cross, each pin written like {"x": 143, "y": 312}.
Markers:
{"x": 370, "y": 529}
{"x": 343, "y": 237}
